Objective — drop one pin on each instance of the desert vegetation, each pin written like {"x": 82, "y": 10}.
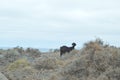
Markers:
{"x": 95, "y": 61}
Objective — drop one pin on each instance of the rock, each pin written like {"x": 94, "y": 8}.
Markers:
{"x": 2, "y": 77}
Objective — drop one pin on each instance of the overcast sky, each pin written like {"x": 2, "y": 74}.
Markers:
{"x": 52, "y": 23}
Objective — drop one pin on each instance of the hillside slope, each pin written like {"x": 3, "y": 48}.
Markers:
{"x": 95, "y": 61}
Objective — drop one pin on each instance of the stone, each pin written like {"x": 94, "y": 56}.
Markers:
{"x": 2, "y": 77}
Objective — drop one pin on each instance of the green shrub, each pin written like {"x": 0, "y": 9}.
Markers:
{"x": 20, "y": 63}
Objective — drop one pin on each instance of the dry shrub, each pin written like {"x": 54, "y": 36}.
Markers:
{"x": 46, "y": 63}
{"x": 96, "y": 45}
{"x": 95, "y": 61}
{"x": 103, "y": 77}
{"x": 19, "y": 73}
{"x": 69, "y": 77}
{"x": 113, "y": 74}
{"x": 77, "y": 69}
{"x": 20, "y": 63}
{"x": 71, "y": 56}
{"x": 56, "y": 76}
{"x": 35, "y": 76}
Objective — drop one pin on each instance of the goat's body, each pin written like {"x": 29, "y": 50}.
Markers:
{"x": 65, "y": 49}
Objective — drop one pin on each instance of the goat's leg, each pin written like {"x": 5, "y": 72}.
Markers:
{"x": 60, "y": 53}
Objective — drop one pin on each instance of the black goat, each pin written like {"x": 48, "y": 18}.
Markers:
{"x": 64, "y": 49}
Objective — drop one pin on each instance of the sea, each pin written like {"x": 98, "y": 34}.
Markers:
{"x": 40, "y": 49}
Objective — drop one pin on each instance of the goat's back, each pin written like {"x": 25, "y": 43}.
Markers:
{"x": 64, "y": 49}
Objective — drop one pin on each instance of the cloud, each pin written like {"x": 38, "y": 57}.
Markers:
{"x": 58, "y": 21}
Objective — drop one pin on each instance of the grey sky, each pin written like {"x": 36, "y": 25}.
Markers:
{"x": 51, "y": 23}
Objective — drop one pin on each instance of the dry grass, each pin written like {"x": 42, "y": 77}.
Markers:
{"x": 21, "y": 63}
{"x": 95, "y": 61}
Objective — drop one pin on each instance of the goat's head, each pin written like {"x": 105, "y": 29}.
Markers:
{"x": 74, "y": 44}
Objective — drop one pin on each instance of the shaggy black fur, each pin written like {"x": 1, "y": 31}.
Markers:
{"x": 64, "y": 49}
